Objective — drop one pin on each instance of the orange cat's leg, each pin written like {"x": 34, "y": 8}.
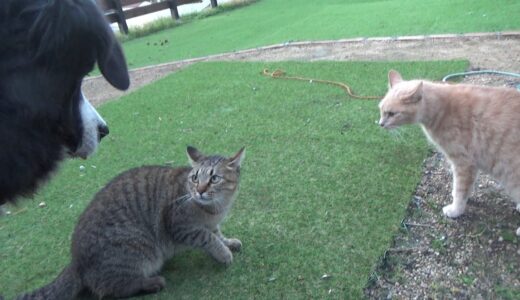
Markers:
{"x": 516, "y": 199}
{"x": 463, "y": 179}
{"x": 517, "y": 202}
{"x": 513, "y": 189}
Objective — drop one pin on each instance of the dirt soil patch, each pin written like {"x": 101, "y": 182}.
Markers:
{"x": 476, "y": 256}
{"x": 499, "y": 51}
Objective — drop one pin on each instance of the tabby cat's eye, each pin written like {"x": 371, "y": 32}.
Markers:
{"x": 194, "y": 178}
{"x": 215, "y": 178}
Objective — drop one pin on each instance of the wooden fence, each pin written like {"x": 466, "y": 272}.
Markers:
{"x": 118, "y": 11}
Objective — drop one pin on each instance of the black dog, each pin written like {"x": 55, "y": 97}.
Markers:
{"x": 46, "y": 48}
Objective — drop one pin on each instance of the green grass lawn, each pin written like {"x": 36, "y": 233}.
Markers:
{"x": 274, "y": 21}
{"x": 323, "y": 187}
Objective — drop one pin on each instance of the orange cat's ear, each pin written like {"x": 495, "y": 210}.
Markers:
{"x": 394, "y": 78}
{"x": 194, "y": 155}
{"x": 415, "y": 95}
{"x": 236, "y": 160}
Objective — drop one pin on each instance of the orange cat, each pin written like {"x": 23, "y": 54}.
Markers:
{"x": 476, "y": 127}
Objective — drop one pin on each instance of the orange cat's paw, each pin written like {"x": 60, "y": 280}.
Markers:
{"x": 452, "y": 211}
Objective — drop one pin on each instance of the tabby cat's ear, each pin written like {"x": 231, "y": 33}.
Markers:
{"x": 394, "y": 78}
{"x": 236, "y": 160}
{"x": 194, "y": 155}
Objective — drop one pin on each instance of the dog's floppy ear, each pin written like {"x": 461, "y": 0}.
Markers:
{"x": 112, "y": 63}
{"x": 75, "y": 32}
{"x": 110, "y": 57}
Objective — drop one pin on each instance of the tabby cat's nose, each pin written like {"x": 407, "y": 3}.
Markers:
{"x": 202, "y": 188}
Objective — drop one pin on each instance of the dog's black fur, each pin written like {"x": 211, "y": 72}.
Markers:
{"x": 46, "y": 48}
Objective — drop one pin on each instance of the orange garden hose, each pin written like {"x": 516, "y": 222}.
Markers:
{"x": 279, "y": 74}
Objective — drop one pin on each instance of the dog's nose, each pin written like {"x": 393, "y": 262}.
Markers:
{"x": 103, "y": 131}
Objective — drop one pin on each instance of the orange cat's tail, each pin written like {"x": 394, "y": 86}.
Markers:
{"x": 66, "y": 286}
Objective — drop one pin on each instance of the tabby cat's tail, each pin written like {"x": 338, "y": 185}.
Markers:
{"x": 66, "y": 286}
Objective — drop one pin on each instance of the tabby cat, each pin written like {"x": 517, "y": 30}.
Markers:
{"x": 142, "y": 218}
{"x": 476, "y": 127}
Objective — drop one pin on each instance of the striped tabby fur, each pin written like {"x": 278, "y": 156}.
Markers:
{"x": 141, "y": 219}
{"x": 475, "y": 127}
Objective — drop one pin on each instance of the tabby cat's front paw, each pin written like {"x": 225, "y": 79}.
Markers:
{"x": 154, "y": 284}
{"x": 233, "y": 244}
{"x": 452, "y": 210}
{"x": 225, "y": 257}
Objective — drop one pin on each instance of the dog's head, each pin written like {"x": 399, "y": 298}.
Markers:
{"x": 47, "y": 47}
